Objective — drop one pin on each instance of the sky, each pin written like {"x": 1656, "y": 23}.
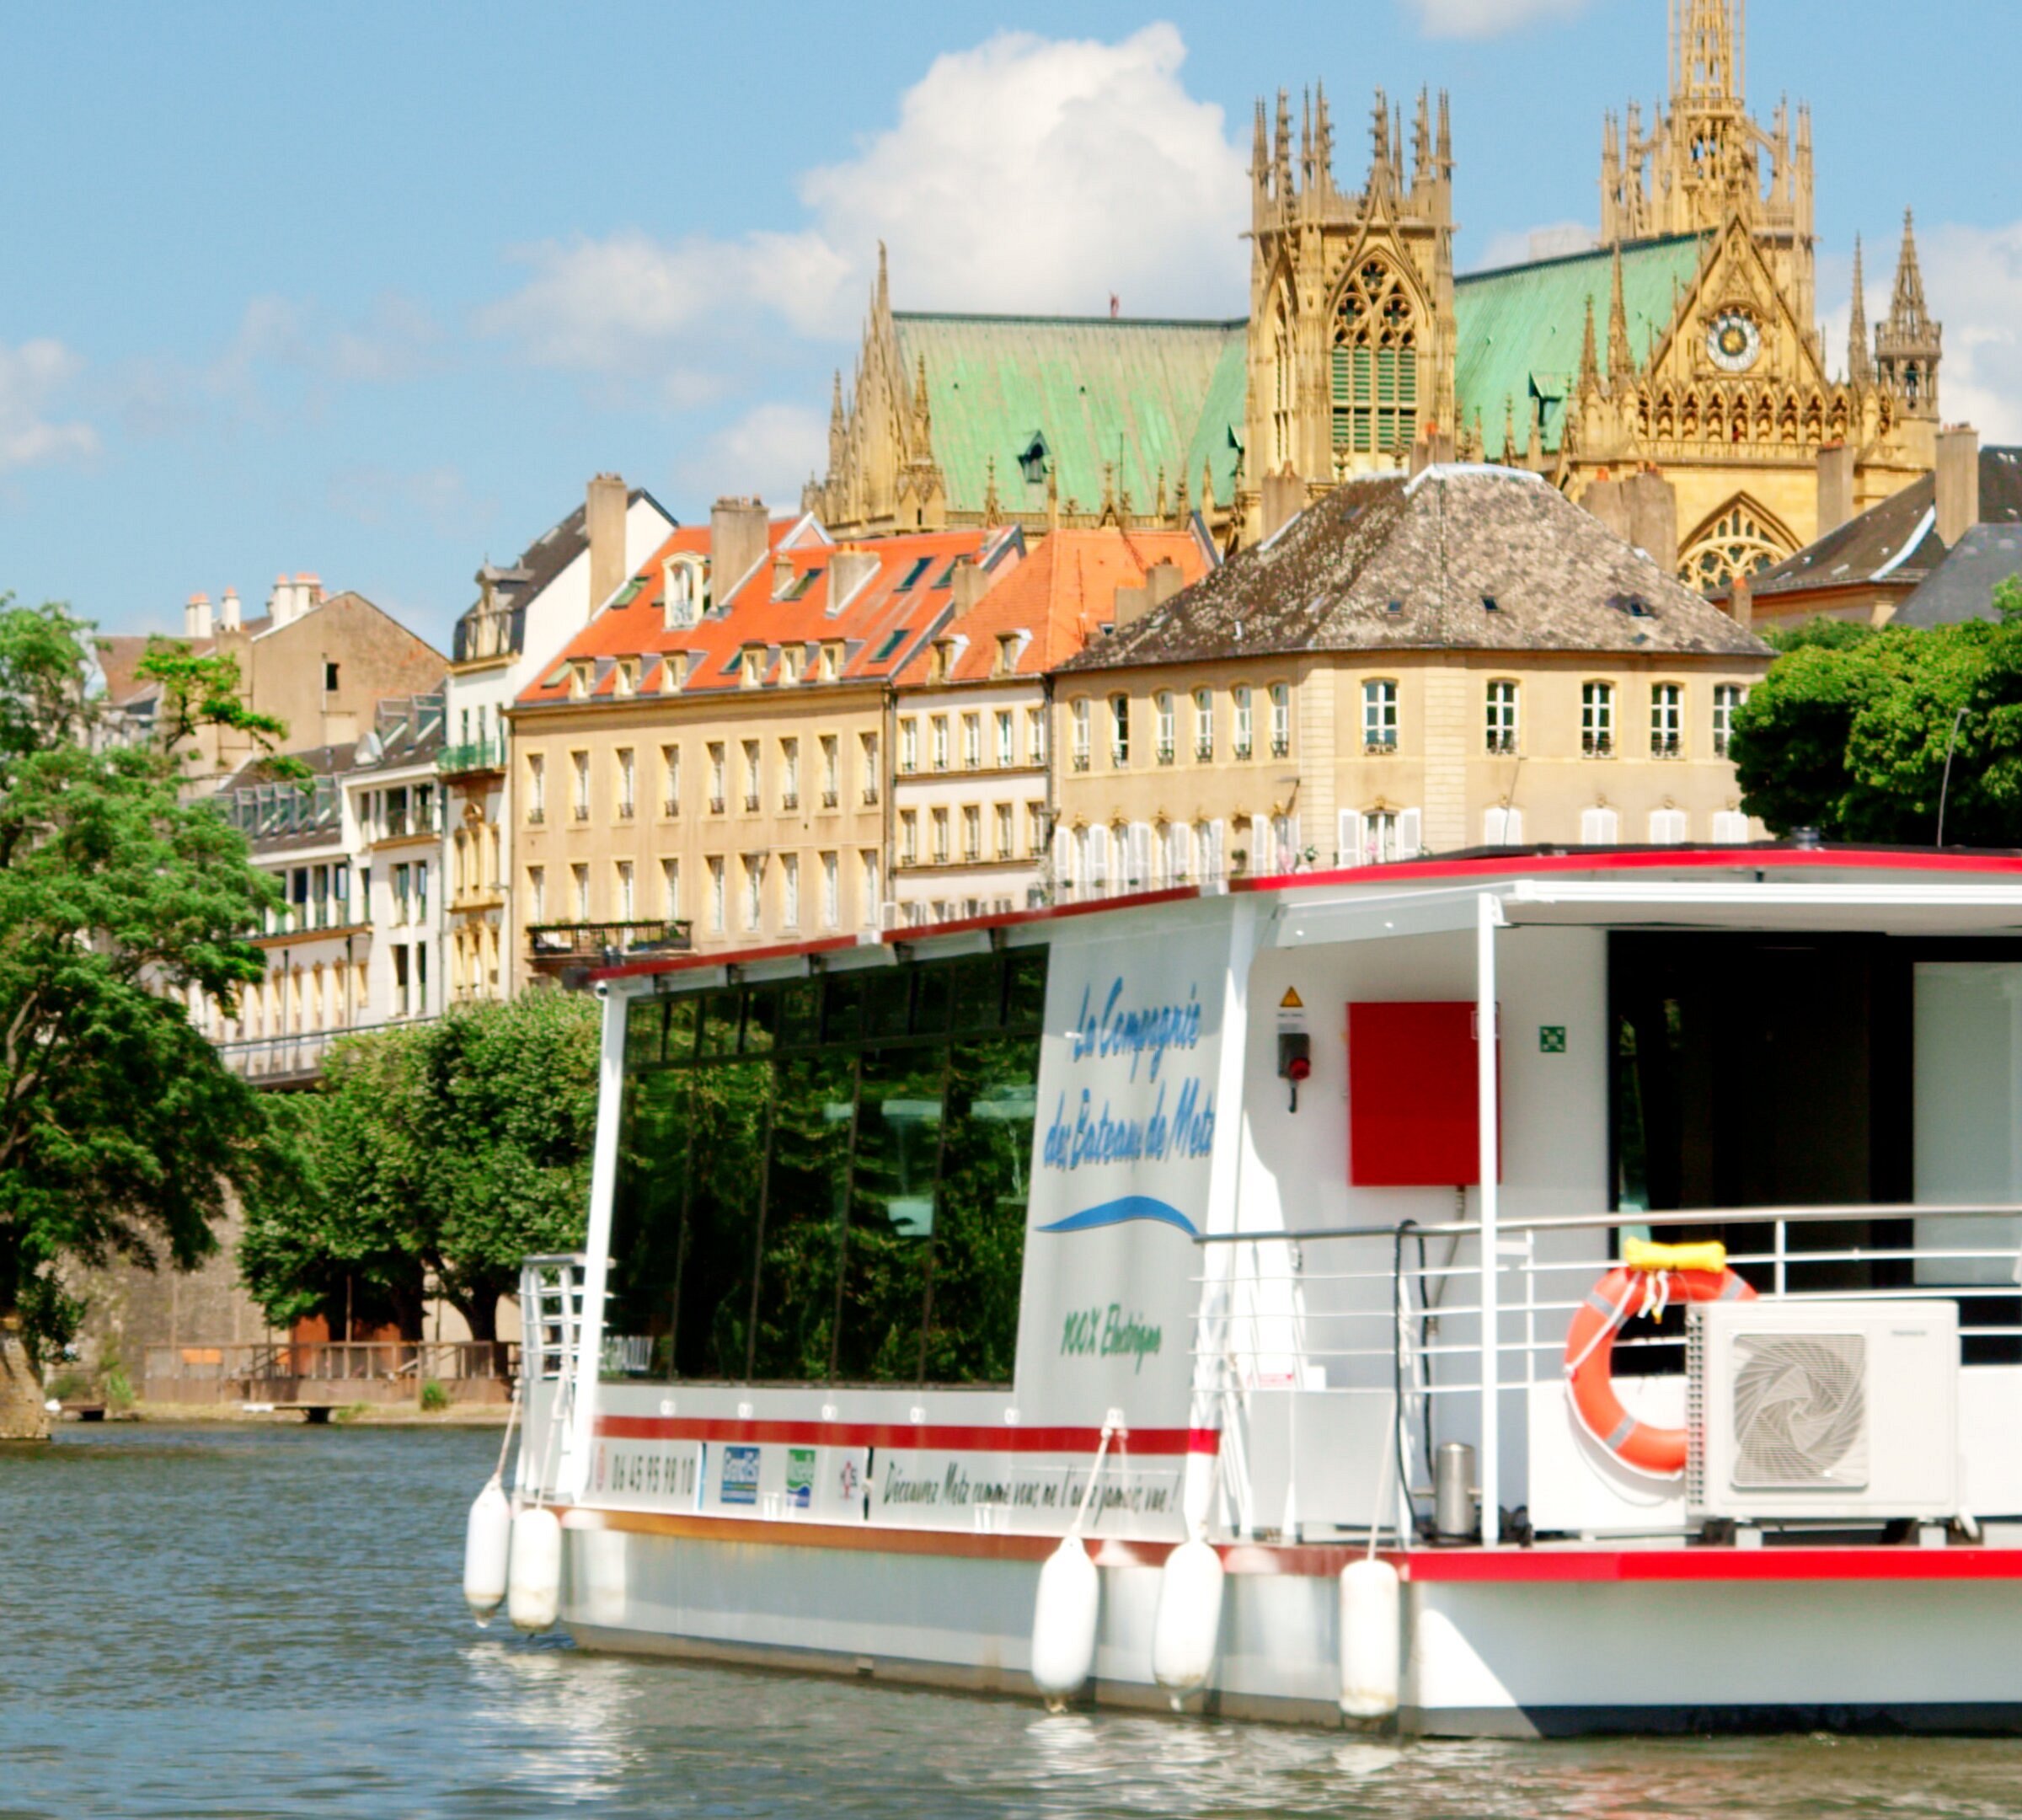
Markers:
{"x": 370, "y": 290}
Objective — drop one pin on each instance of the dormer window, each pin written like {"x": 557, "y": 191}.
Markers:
{"x": 943, "y": 659}
{"x": 627, "y": 682}
{"x": 832, "y": 661}
{"x": 673, "y": 672}
{"x": 579, "y": 679}
{"x": 1032, "y": 460}
{"x": 751, "y": 666}
{"x": 790, "y": 665}
{"x": 684, "y": 593}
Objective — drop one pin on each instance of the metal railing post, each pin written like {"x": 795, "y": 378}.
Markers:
{"x": 1487, "y": 915}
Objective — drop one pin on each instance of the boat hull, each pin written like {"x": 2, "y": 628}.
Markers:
{"x": 1888, "y": 1640}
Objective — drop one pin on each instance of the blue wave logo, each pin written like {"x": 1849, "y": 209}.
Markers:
{"x": 1124, "y": 1209}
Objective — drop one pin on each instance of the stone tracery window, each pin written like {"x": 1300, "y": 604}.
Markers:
{"x": 1374, "y": 365}
{"x": 1737, "y": 542}
{"x": 1280, "y": 383}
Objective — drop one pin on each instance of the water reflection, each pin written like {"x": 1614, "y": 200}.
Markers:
{"x": 224, "y": 1622}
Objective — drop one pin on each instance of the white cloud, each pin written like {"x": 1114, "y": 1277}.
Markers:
{"x": 1028, "y": 174}
{"x": 1486, "y": 19}
{"x": 1519, "y": 246}
{"x": 32, "y": 375}
{"x": 439, "y": 497}
{"x": 1972, "y": 284}
{"x": 770, "y": 451}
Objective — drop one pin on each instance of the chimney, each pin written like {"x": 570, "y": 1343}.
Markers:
{"x": 1284, "y": 499}
{"x": 228, "y": 619}
{"x": 1161, "y": 581}
{"x": 737, "y": 543}
{"x": 1434, "y": 447}
{"x": 604, "y": 525}
{"x": 281, "y": 603}
{"x": 308, "y": 592}
{"x": 1741, "y": 601}
{"x": 196, "y": 617}
{"x": 969, "y": 583}
{"x": 1958, "y": 482}
{"x": 848, "y": 570}
{"x": 1835, "y": 486}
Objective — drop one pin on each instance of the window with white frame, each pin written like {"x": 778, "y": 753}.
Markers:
{"x": 537, "y": 894}
{"x": 790, "y": 775}
{"x": 1600, "y": 826}
{"x": 670, "y": 780}
{"x": 909, "y": 837}
{"x": 1667, "y": 720}
{"x": 1005, "y": 834}
{"x": 909, "y": 745}
{"x": 1119, "y": 731}
{"x": 1379, "y": 715}
{"x": 627, "y": 783}
{"x": 1204, "y": 724}
{"x": 789, "y": 890}
{"x": 832, "y": 771}
{"x": 1668, "y": 827}
{"x": 754, "y": 889}
{"x": 1502, "y": 826}
{"x": 873, "y": 897}
{"x": 939, "y": 825}
{"x": 1077, "y": 711}
{"x": 1726, "y": 697}
{"x": 1239, "y": 709}
{"x": 579, "y": 763}
{"x": 1169, "y": 726}
{"x": 579, "y": 891}
{"x": 719, "y": 779}
{"x": 972, "y": 742}
{"x": 751, "y": 762}
{"x": 1178, "y": 853}
{"x": 1035, "y": 735}
{"x": 1598, "y": 719}
{"x": 623, "y": 881}
{"x": 1281, "y": 720}
{"x": 1004, "y": 748}
{"x": 536, "y": 788}
{"x": 717, "y": 893}
{"x": 972, "y": 833}
{"x": 939, "y": 730}
{"x": 867, "y": 757}
{"x": 670, "y": 889}
{"x": 1502, "y": 718}
{"x": 1035, "y": 828}
{"x": 832, "y": 890}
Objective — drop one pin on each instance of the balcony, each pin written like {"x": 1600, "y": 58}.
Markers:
{"x": 716, "y": 805}
{"x": 471, "y": 757}
{"x": 1502, "y": 745}
{"x": 1666, "y": 746}
{"x": 554, "y": 945}
{"x": 670, "y": 809}
{"x": 830, "y": 798}
{"x": 1241, "y": 751}
{"x": 1281, "y": 747}
{"x": 624, "y": 812}
{"x": 871, "y": 795}
{"x": 535, "y": 815}
{"x": 1598, "y": 746}
{"x": 295, "y": 1059}
{"x": 790, "y": 802}
{"x": 1165, "y": 751}
{"x": 1081, "y": 761}
{"x": 751, "y": 802}
{"x": 579, "y": 811}
{"x": 1204, "y": 751}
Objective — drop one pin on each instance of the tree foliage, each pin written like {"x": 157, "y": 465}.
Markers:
{"x": 446, "y": 1150}
{"x": 120, "y": 1131}
{"x": 1851, "y": 737}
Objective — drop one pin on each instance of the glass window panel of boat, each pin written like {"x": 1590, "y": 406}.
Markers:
{"x": 1025, "y": 989}
{"x": 645, "y": 1033}
{"x": 806, "y": 1209}
{"x": 931, "y": 993}
{"x": 978, "y": 993}
{"x": 891, "y": 1240}
{"x": 728, "y": 1109}
{"x": 646, "y": 1225}
{"x": 684, "y": 1019}
{"x": 1966, "y": 1100}
{"x": 720, "y": 1018}
{"x": 841, "y": 1007}
{"x": 979, "y": 1239}
{"x": 762, "y": 1015}
{"x": 888, "y": 1001}
{"x": 800, "y": 1015}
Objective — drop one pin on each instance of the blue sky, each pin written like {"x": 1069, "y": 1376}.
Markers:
{"x": 371, "y": 290}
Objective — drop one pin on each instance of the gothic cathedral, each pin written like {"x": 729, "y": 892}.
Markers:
{"x": 1681, "y": 356}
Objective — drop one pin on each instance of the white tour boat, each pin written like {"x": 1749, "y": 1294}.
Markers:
{"x": 1523, "y": 1293}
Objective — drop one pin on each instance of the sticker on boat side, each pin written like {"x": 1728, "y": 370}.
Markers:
{"x": 740, "y": 1482}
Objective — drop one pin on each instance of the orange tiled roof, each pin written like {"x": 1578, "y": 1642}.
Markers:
{"x": 1061, "y": 597}
{"x": 901, "y": 598}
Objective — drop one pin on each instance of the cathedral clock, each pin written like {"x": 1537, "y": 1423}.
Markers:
{"x": 1733, "y": 340}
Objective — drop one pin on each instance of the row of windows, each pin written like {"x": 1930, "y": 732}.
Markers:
{"x": 1012, "y": 835}
{"x": 1007, "y": 748}
{"x": 1381, "y": 721}
{"x": 1202, "y": 726}
{"x": 737, "y": 892}
{"x": 319, "y": 897}
{"x": 826, "y": 775}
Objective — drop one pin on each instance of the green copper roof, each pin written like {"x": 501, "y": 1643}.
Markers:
{"x": 1519, "y": 328}
{"x": 1098, "y": 389}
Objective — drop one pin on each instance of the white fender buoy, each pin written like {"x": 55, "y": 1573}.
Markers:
{"x": 1371, "y": 1639}
{"x": 1189, "y": 1620}
{"x": 487, "y": 1539}
{"x": 1063, "y": 1620}
{"x": 533, "y": 1583}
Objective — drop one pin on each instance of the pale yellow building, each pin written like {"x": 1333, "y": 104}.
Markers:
{"x": 1463, "y": 659}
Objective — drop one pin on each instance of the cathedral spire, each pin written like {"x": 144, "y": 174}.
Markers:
{"x": 1379, "y": 136}
{"x": 1621, "y": 357}
{"x": 1323, "y": 137}
{"x": 883, "y": 305}
{"x": 1589, "y": 365}
{"x": 1906, "y": 307}
{"x": 1706, "y": 53}
{"x": 1281, "y": 162}
{"x": 1260, "y": 158}
{"x": 1305, "y": 137}
{"x": 923, "y": 416}
{"x": 1908, "y": 343}
{"x": 1421, "y": 144}
{"x": 1860, "y": 369}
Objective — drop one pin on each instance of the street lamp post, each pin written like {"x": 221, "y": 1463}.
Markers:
{"x": 1945, "y": 787}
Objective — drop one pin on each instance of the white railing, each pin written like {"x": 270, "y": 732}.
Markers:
{"x": 1381, "y": 1312}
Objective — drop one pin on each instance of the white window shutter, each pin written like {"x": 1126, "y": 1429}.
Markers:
{"x": 1348, "y": 838}
{"x": 1217, "y": 842}
{"x": 1667, "y": 827}
{"x": 1097, "y": 872}
{"x": 1297, "y": 858}
{"x": 1598, "y": 827}
{"x": 1495, "y": 828}
{"x": 1064, "y": 869}
{"x": 1407, "y": 823}
{"x": 1730, "y": 827}
{"x": 1141, "y": 838}
{"x": 1512, "y": 827}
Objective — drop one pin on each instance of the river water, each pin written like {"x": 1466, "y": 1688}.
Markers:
{"x": 236, "y": 1621}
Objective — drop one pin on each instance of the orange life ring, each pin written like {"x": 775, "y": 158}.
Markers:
{"x": 1589, "y": 1349}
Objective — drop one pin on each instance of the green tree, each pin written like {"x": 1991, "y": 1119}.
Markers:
{"x": 1853, "y": 737}
{"x": 448, "y": 1150}
{"x": 120, "y": 1131}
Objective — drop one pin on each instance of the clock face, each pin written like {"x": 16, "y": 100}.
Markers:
{"x": 1733, "y": 341}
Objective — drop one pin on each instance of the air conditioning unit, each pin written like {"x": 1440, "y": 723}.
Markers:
{"x": 1832, "y": 1410}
